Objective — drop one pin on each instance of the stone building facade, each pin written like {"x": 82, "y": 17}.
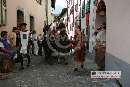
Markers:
{"x": 32, "y": 12}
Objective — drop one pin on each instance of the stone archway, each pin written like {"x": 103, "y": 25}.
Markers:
{"x": 100, "y": 30}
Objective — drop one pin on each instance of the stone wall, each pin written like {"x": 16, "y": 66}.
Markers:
{"x": 30, "y": 8}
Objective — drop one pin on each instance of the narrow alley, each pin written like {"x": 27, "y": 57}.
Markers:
{"x": 40, "y": 74}
{"x": 64, "y": 43}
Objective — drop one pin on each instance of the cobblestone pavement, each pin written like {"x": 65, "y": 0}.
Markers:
{"x": 40, "y": 74}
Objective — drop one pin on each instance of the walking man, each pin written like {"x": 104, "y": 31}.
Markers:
{"x": 24, "y": 34}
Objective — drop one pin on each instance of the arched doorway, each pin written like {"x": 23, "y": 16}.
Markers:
{"x": 20, "y": 17}
{"x": 100, "y": 32}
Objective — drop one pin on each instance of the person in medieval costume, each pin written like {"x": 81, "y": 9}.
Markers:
{"x": 34, "y": 39}
{"x": 64, "y": 47}
{"x": 40, "y": 44}
{"x": 30, "y": 44}
{"x": 7, "y": 46}
{"x": 101, "y": 47}
{"x": 24, "y": 34}
{"x": 78, "y": 45}
{"x": 7, "y": 55}
{"x": 47, "y": 50}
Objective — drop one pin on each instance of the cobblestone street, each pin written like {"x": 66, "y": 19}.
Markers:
{"x": 40, "y": 74}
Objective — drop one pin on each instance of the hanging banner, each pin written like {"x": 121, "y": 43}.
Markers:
{"x": 92, "y": 22}
{"x": 87, "y": 6}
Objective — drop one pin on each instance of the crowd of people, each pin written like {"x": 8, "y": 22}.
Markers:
{"x": 10, "y": 46}
{"x": 13, "y": 44}
{"x": 21, "y": 43}
{"x": 66, "y": 45}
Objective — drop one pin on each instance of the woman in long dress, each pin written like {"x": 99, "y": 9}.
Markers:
{"x": 6, "y": 56}
{"x": 79, "y": 47}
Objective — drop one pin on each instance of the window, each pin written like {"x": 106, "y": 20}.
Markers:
{"x": 3, "y": 12}
{"x": 31, "y": 23}
{"x": 83, "y": 9}
{"x": 20, "y": 17}
{"x": 39, "y": 1}
{"x": 76, "y": 7}
{"x": 88, "y": 7}
{"x": 72, "y": 10}
{"x": 69, "y": 2}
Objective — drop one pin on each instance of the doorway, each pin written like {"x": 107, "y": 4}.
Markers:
{"x": 100, "y": 32}
{"x": 20, "y": 17}
{"x": 31, "y": 23}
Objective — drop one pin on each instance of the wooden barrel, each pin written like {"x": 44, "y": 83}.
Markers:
{"x": 6, "y": 64}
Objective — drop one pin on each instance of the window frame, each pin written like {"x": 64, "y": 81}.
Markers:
{"x": 83, "y": 9}
{"x": 39, "y": 1}
{"x": 3, "y": 12}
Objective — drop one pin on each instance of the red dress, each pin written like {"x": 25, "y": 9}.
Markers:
{"x": 79, "y": 49}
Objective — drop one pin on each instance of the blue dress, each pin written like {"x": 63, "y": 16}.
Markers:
{"x": 7, "y": 47}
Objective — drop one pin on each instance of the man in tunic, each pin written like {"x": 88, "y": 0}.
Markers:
{"x": 24, "y": 34}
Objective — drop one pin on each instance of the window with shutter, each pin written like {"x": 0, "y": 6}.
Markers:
{"x": 83, "y": 9}
{"x": 3, "y": 12}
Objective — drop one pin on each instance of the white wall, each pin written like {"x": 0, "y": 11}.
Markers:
{"x": 118, "y": 29}
{"x": 29, "y": 7}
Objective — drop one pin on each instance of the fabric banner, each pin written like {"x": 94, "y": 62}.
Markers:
{"x": 92, "y": 22}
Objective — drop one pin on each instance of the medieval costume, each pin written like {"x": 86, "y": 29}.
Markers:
{"x": 24, "y": 35}
{"x": 79, "y": 47}
{"x": 6, "y": 55}
{"x": 40, "y": 44}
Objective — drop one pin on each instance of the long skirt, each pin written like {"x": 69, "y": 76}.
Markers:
{"x": 35, "y": 48}
{"x": 79, "y": 56}
{"x": 6, "y": 64}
